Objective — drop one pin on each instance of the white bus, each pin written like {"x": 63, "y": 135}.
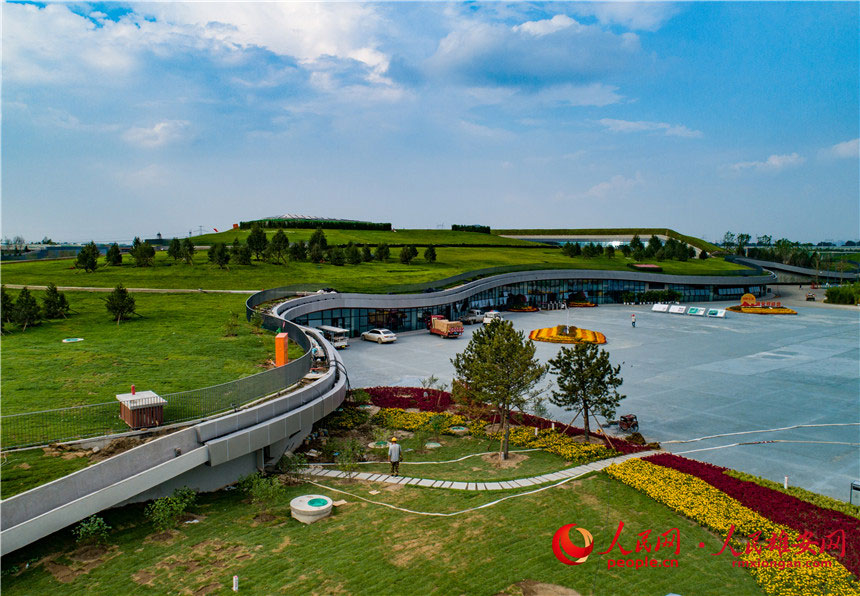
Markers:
{"x": 338, "y": 337}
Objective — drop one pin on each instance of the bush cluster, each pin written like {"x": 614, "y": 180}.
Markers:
{"x": 471, "y": 228}
{"x": 164, "y": 513}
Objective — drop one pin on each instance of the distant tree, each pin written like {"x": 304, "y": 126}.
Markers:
{"x": 406, "y": 255}
{"x": 382, "y": 252}
{"x": 318, "y": 239}
{"x": 46, "y": 240}
{"x": 763, "y": 240}
{"x": 136, "y": 242}
{"x": 498, "y": 367}
{"x": 7, "y": 306}
{"x": 430, "y": 254}
{"x": 609, "y": 251}
{"x": 120, "y": 304}
{"x": 366, "y": 255}
{"x": 188, "y": 251}
{"x": 26, "y": 312}
{"x": 567, "y": 249}
{"x": 742, "y": 241}
{"x": 280, "y": 246}
{"x": 638, "y": 255}
{"x": 703, "y": 255}
{"x": 257, "y": 240}
{"x": 174, "y": 251}
{"x": 691, "y": 252}
{"x": 654, "y": 244}
{"x": 635, "y": 243}
{"x": 88, "y": 257}
{"x": 353, "y": 255}
{"x": 243, "y": 255}
{"x": 729, "y": 240}
{"x": 850, "y": 243}
{"x": 235, "y": 248}
{"x": 219, "y": 255}
{"x": 660, "y": 254}
{"x": 576, "y": 250}
{"x": 336, "y": 256}
{"x": 298, "y": 251}
{"x": 625, "y": 250}
{"x": 586, "y": 380}
{"x": 54, "y": 303}
{"x": 113, "y": 256}
{"x": 19, "y": 245}
{"x": 316, "y": 254}
{"x": 143, "y": 254}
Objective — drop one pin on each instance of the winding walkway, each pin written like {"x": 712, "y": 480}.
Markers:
{"x": 595, "y": 466}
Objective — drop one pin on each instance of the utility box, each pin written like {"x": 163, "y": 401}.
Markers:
{"x": 282, "y": 355}
{"x": 143, "y": 409}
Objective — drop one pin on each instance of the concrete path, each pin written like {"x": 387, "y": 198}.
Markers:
{"x": 152, "y": 290}
{"x": 502, "y": 485}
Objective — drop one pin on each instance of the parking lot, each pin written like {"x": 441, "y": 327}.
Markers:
{"x": 690, "y": 377}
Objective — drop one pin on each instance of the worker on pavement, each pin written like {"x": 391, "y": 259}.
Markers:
{"x": 394, "y": 456}
{"x": 633, "y": 319}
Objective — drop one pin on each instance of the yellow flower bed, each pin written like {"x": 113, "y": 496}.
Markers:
{"x": 714, "y": 509}
{"x": 548, "y": 440}
{"x": 562, "y": 334}
{"x": 396, "y": 418}
{"x": 581, "y": 304}
{"x": 763, "y": 310}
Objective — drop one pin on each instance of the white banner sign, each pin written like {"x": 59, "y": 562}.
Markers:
{"x": 677, "y": 309}
{"x": 696, "y": 310}
{"x": 660, "y": 308}
{"x": 717, "y": 312}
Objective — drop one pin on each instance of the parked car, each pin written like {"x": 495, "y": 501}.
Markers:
{"x": 810, "y": 297}
{"x": 492, "y": 315}
{"x": 473, "y": 316}
{"x": 380, "y": 336}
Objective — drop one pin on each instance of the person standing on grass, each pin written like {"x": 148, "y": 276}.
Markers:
{"x": 394, "y": 456}
{"x": 633, "y": 319}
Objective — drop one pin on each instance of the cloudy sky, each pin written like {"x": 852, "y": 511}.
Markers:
{"x": 131, "y": 119}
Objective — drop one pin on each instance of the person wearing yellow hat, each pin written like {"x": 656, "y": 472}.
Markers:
{"x": 394, "y": 456}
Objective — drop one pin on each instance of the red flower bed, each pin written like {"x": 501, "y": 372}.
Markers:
{"x": 774, "y": 505}
{"x": 413, "y": 397}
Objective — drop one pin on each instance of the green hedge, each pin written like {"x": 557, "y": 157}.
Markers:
{"x": 849, "y": 294}
{"x": 328, "y": 224}
{"x": 472, "y": 228}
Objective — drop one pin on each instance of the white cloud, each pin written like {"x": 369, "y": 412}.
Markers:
{"x": 616, "y": 186}
{"x": 162, "y": 133}
{"x": 644, "y": 16}
{"x": 594, "y": 94}
{"x": 848, "y": 149}
{"x": 670, "y": 130}
{"x": 774, "y": 163}
{"x": 547, "y": 26}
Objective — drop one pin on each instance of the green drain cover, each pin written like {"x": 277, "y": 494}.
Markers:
{"x": 317, "y": 502}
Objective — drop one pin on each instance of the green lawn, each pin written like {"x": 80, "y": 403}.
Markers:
{"x": 178, "y": 344}
{"x": 372, "y": 237}
{"x": 365, "y": 548}
{"x": 379, "y": 277}
{"x": 23, "y": 470}
{"x": 522, "y": 465}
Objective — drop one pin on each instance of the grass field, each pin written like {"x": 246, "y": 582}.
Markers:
{"x": 378, "y": 277}
{"x": 178, "y": 344}
{"x": 374, "y": 237}
{"x": 365, "y": 548}
{"x": 23, "y": 470}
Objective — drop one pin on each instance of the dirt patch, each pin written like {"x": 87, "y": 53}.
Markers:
{"x": 206, "y": 589}
{"x": 284, "y": 544}
{"x": 162, "y": 537}
{"x": 194, "y": 570}
{"x": 513, "y": 461}
{"x": 262, "y": 518}
{"x": 82, "y": 561}
{"x": 116, "y": 446}
{"x": 532, "y": 588}
{"x": 144, "y": 577}
{"x": 393, "y": 488}
{"x": 23, "y": 466}
{"x": 88, "y": 553}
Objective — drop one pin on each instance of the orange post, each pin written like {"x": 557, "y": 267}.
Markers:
{"x": 281, "y": 354}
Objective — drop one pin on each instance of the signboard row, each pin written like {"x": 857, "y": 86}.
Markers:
{"x": 696, "y": 311}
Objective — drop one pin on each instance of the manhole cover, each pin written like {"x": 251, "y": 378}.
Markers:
{"x": 71, "y": 340}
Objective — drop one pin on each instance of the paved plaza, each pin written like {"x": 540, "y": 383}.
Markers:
{"x": 687, "y": 377}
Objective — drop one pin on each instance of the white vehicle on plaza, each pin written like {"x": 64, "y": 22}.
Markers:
{"x": 492, "y": 315}
{"x": 380, "y": 336}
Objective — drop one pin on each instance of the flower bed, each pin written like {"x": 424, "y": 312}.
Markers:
{"x": 548, "y": 440}
{"x": 763, "y": 310}
{"x": 410, "y": 397}
{"x": 581, "y": 304}
{"x": 712, "y": 508}
{"x": 563, "y": 334}
{"x": 523, "y": 309}
{"x": 777, "y": 506}
{"x": 397, "y": 418}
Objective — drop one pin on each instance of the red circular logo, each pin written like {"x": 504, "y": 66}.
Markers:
{"x": 566, "y": 551}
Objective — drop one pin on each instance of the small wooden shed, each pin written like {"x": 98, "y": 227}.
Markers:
{"x": 143, "y": 409}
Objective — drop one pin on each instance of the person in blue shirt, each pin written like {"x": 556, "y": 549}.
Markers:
{"x": 394, "y": 456}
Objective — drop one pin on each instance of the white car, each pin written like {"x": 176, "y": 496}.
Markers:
{"x": 380, "y": 336}
{"x": 492, "y": 315}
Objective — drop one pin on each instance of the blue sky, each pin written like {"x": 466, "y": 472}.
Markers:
{"x": 132, "y": 119}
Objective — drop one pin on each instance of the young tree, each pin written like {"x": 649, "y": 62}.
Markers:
{"x": 26, "y": 311}
{"x": 638, "y": 255}
{"x": 174, "y": 251}
{"x": 219, "y": 255}
{"x": 280, "y": 245}
{"x": 742, "y": 241}
{"x": 143, "y": 254}
{"x": 353, "y": 256}
{"x": 243, "y": 255}
{"x": 113, "y": 256}
{"x": 625, "y": 250}
{"x": 765, "y": 240}
{"x": 318, "y": 239}
{"x": 316, "y": 254}
{"x": 703, "y": 255}
{"x": 728, "y": 240}
{"x": 88, "y": 257}
{"x": 654, "y": 244}
{"x": 430, "y": 254}
{"x": 54, "y": 303}
{"x": 636, "y": 243}
{"x": 120, "y": 303}
{"x": 382, "y": 252}
{"x": 188, "y": 251}
{"x": 609, "y": 251}
{"x": 366, "y": 255}
{"x": 257, "y": 240}
{"x": 498, "y": 366}
{"x": 7, "y": 306}
{"x": 406, "y": 255}
{"x": 586, "y": 380}
{"x": 298, "y": 251}
{"x": 336, "y": 256}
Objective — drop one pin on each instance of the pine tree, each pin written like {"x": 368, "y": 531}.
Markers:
{"x": 257, "y": 240}
{"x": 316, "y": 254}
{"x": 54, "y": 303}
{"x": 353, "y": 256}
{"x": 406, "y": 255}
{"x": 219, "y": 255}
{"x": 298, "y": 251}
{"x": 366, "y": 255}
{"x": 336, "y": 256}
{"x": 188, "y": 251}
{"x": 113, "y": 256}
{"x": 88, "y": 257}
{"x": 382, "y": 252}
{"x": 318, "y": 239}
{"x": 143, "y": 254}
{"x": 430, "y": 254}
{"x": 26, "y": 311}
{"x": 7, "y": 306}
{"x": 120, "y": 303}
{"x": 174, "y": 251}
{"x": 279, "y": 245}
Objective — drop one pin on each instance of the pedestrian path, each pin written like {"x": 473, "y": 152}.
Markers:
{"x": 595, "y": 466}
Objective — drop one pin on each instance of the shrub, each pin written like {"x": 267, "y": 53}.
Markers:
{"x": 164, "y": 513}
{"x": 257, "y": 322}
{"x": 263, "y": 490}
{"x": 471, "y": 228}
{"x": 293, "y": 466}
{"x": 93, "y": 530}
{"x": 421, "y": 438}
{"x": 345, "y": 419}
{"x": 120, "y": 303}
{"x": 114, "y": 256}
{"x": 88, "y": 257}
{"x": 54, "y": 303}
{"x": 359, "y": 396}
{"x": 232, "y": 326}
{"x": 26, "y": 311}
{"x": 350, "y": 452}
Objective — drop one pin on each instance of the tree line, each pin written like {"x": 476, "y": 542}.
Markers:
{"x": 25, "y": 312}
{"x": 655, "y": 249}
